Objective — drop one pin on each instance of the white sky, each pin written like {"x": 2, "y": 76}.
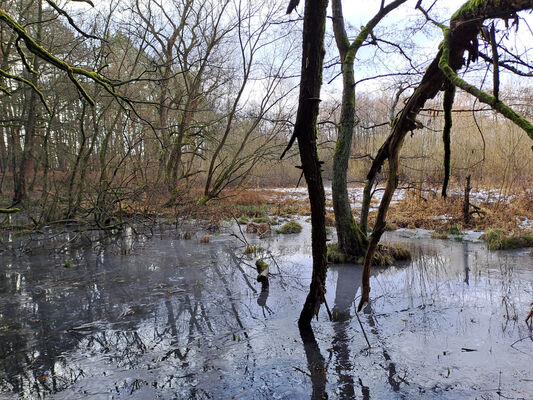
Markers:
{"x": 358, "y": 12}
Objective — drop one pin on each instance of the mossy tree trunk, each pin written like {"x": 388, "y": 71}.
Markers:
{"x": 465, "y": 25}
{"x": 30, "y": 125}
{"x": 305, "y": 130}
{"x": 352, "y": 238}
{"x": 449, "y": 96}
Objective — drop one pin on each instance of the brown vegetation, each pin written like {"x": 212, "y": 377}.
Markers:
{"x": 433, "y": 212}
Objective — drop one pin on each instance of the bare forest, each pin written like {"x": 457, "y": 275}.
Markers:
{"x": 325, "y": 172}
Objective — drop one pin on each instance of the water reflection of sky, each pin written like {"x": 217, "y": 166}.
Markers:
{"x": 142, "y": 318}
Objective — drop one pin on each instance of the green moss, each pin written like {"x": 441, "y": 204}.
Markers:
{"x": 202, "y": 200}
{"x": 469, "y": 6}
{"x": 261, "y": 265}
{"x": 262, "y": 270}
{"x": 69, "y": 264}
{"x": 334, "y": 255}
{"x": 497, "y": 239}
{"x": 9, "y": 210}
{"x": 243, "y": 220}
{"x": 260, "y": 220}
{"x": 339, "y": 147}
{"x": 291, "y": 227}
{"x": 484, "y": 97}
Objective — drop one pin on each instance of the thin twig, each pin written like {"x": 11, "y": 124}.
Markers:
{"x": 363, "y": 329}
{"x": 328, "y": 310}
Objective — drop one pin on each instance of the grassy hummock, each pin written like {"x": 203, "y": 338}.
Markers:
{"x": 498, "y": 239}
{"x": 334, "y": 255}
{"x": 243, "y": 220}
{"x": 386, "y": 254}
{"x": 291, "y": 227}
{"x": 454, "y": 230}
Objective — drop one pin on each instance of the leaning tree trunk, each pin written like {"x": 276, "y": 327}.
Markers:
{"x": 459, "y": 38}
{"x": 305, "y": 130}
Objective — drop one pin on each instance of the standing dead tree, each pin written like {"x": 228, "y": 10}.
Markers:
{"x": 459, "y": 37}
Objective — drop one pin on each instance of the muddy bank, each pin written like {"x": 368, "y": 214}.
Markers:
{"x": 157, "y": 316}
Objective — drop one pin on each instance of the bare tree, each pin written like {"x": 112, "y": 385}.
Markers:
{"x": 305, "y": 130}
{"x": 459, "y": 37}
{"x": 352, "y": 240}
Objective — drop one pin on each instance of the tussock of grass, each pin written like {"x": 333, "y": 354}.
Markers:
{"x": 243, "y": 220}
{"x": 455, "y": 229}
{"x": 389, "y": 227}
{"x": 498, "y": 239}
{"x": 439, "y": 235}
{"x": 386, "y": 254}
{"x": 397, "y": 252}
{"x": 330, "y": 219}
{"x": 290, "y": 227}
{"x": 254, "y": 210}
{"x": 334, "y": 256}
{"x": 260, "y": 220}
{"x": 253, "y": 249}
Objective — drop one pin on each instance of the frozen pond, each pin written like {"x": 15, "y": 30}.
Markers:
{"x": 161, "y": 317}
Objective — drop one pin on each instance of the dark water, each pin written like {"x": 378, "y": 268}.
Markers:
{"x": 161, "y": 317}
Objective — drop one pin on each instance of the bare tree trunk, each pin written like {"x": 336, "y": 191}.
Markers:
{"x": 466, "y": 202}
{"x": 26, "y": 160}
{"x": 305, "y": 130}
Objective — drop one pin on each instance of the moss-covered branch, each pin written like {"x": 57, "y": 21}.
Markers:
{"x": 26, "y": 82}
{"x": 9, "y": 210}
{"x": 484, "y": 97}
{"x": 39, "y": 51}
{"x": 460, "y": 37}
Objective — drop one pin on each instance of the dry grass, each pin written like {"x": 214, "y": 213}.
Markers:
{"x": 442, "y": 214}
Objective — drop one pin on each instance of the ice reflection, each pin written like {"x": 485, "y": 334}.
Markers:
{"x": 172, "y": 318}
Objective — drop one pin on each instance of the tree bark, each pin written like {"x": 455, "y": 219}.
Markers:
{"x": 352, "y": 239}
{"x": 305, "y": 130}
{"x": 26, "y": 159}
{"x": 449, "y": 96}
